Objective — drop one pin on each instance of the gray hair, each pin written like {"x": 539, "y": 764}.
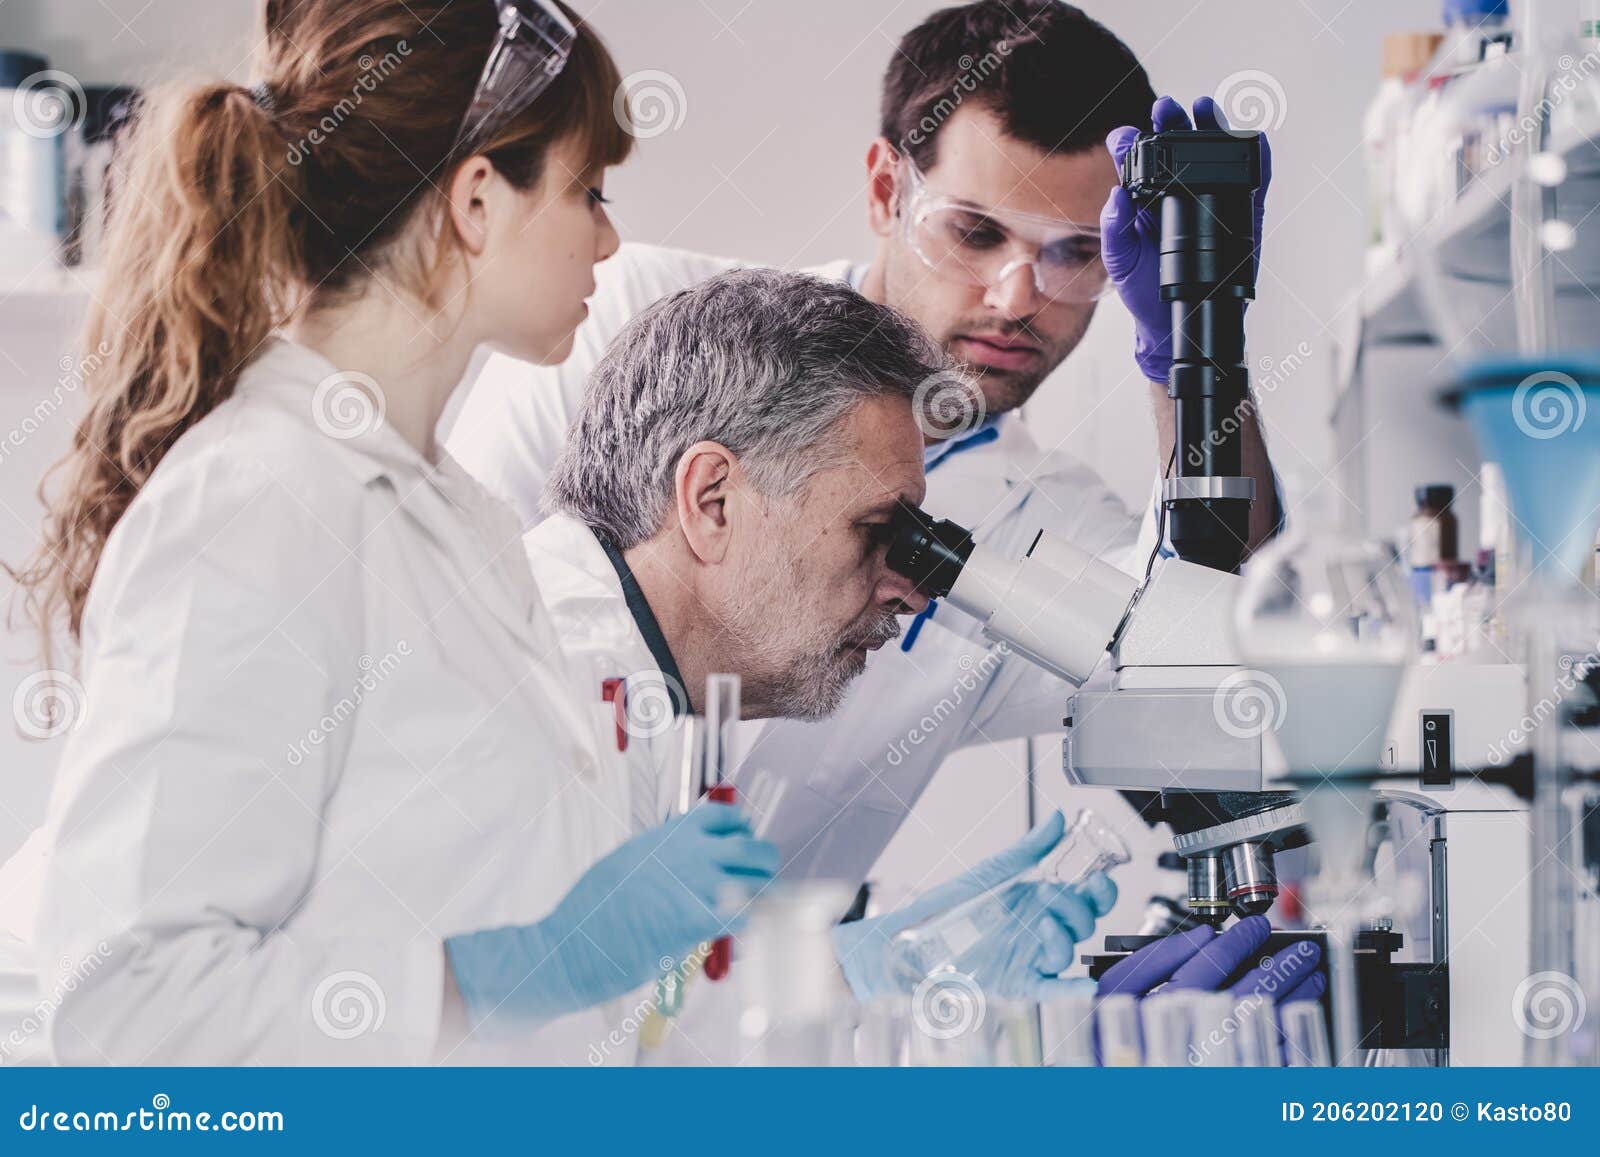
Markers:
{"x": 763, "y": 362}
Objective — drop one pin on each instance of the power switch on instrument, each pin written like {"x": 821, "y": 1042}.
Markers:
{"x": 1437, "y": 757}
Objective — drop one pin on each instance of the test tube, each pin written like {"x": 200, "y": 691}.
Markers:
{"x": 1258, "y": 1033}
{"x": 722, "y": 716}
{"x": 1167, "y": 1020}
{"x": 1214, "y": 1032}
{"x": 1067, "y": 1026}
{"x": 1117, "y": 1018}
{"x": 1305, "y": 1035}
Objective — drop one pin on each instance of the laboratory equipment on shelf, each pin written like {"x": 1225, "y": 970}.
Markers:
{"x": 1406, "y": 56}
{"x": 40, "y": 105}
{"x": 937, "y": 944}
{"x": 91, "y": 153}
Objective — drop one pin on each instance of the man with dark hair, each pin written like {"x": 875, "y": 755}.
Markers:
{"x": 993, "y": 194}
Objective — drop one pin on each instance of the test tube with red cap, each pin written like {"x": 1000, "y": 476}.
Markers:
{"x": 722, "y": 717}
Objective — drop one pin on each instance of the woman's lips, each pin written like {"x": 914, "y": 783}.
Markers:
{"x": 998, "y": 353}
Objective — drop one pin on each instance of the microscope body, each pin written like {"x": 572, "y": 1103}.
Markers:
{"x": 1162, "y": 704}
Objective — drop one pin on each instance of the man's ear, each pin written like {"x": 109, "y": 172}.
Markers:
{"x": 883, "y": 186}
{"x": 467, "y": 196}
{"x": 700, "y": 492}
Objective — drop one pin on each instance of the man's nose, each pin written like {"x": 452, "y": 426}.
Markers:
{"x": 1014, "y": 293}
{"x": 899, "y": 594}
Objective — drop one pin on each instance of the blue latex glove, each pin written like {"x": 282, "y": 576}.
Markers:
{"x": 1201, "y": 960}
{"x": 1130, "y": 238}
{"x": 656, "y": 896}
{"x": 1018, "y": 962}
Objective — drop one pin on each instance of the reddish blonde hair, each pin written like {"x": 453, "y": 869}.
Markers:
{"x": 234, "y": 211}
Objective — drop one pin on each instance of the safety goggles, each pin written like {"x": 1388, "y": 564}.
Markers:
{"x": 530, "y": 50}
{"x": 982, "y": 247}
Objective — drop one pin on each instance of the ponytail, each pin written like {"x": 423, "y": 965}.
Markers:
{"x": 230, "y": 217}
{"x": 201, "y": 261}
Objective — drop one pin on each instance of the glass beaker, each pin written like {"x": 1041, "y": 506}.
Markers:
{"x": 1088, "y": 846}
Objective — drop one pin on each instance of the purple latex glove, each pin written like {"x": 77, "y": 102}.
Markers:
{"x": 1288, "y": 975}
{"x": 1130, "y": 237}
{"x": 1198, "y": 960}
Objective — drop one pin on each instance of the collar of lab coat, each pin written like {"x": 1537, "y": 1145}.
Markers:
{"x": 481, "y": 535}
{"x": 584, "y": 594}
{"x": 645, "y": 619}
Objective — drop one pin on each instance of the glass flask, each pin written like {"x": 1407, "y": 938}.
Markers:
{"x": 937, "y": 944}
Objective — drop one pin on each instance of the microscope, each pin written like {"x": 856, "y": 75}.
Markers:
{"x": 1162, "y": 708}
{"x": 1146, "y": 720}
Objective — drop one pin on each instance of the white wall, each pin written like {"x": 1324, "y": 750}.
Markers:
{"x": 779, "y": 102}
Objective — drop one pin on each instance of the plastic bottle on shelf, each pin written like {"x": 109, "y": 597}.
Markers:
{"x": 32, "y": 167}
{"x": 1428, "y": 173}
{"x": 1405, "y": 55}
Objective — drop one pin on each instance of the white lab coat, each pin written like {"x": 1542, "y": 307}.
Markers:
{"x": 854, "y": 776}
{"x": 328, "y": 725}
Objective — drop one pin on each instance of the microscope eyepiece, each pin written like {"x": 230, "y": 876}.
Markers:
{"x": 928, "y": 551}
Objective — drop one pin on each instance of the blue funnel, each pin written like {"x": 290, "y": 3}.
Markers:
{"x": 1539, "y": 418}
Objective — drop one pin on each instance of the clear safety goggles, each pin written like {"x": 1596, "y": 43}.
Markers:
{"x": 530, "y": 50}
{"x": 983, "y": 247}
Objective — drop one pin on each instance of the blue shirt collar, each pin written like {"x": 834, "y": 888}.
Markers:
{"x": 986, "y": 431}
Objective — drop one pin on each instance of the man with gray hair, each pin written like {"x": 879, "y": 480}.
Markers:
{"x": 722, "y": 505}
{"x": 740, "y": 451}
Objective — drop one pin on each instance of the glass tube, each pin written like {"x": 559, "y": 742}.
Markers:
{"x": 1167, "y": 1020}
{"x": 1214, "y": 1031}
{"x": 1257, "y": 1038}
{"x": 1117, "y": 1018}
{"x": 1305, "y": 1035}
{"x": 1067, "y": 1029}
